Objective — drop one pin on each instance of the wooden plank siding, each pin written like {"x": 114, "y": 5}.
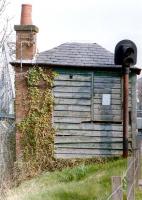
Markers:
{"x": 84, "y": 127}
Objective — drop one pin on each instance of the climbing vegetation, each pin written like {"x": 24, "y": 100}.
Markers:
{"x": 36, "y": 129}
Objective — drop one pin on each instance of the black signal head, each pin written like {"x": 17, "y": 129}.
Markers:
{"x": 125, "y": 53}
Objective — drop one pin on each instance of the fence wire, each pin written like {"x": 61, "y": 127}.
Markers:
{"x": 124, "y": 177}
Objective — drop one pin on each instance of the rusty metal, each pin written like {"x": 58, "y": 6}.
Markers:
{"x": 125, "y": 110}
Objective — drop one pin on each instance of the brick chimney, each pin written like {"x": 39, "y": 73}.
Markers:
{"x": 26, "y": 35}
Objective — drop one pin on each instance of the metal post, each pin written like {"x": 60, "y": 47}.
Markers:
{"x": 125, "y": 110}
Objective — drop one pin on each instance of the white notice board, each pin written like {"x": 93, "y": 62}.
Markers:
{"x": 106, "y": 99}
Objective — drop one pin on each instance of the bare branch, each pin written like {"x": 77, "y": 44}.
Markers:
{"x": 5, "y": 30}
{"x": 3, "y": 5}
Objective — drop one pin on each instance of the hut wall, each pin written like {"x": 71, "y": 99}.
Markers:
{"x": 85, "y": 127}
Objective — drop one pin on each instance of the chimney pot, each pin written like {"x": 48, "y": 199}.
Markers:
{"x": 26, "y": 14}
{"x": 26, "y": 34}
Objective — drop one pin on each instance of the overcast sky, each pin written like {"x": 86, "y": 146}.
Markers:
{"x": 100, "y": 21}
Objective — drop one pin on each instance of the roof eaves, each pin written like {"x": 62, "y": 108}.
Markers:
{"x": 111, "y": 67}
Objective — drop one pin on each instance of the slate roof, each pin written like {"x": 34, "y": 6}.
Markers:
{"x": 77, "y": 54}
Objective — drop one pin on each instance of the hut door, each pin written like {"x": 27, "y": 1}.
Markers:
{"x": 107, "y": 98}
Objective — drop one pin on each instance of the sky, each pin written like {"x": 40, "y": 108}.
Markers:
{"x": 105, "y": 22}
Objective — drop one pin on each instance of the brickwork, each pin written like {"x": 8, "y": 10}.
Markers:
{"x": 25, "y": 45}
{"x": 21, "y": 108}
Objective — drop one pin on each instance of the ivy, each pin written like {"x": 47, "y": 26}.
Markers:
{"x": 36, "y": 129}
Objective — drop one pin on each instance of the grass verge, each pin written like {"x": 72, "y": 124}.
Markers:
{"x": 84, "y": 182}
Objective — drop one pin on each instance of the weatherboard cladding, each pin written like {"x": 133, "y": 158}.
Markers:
{"x": 77, "y": 54}
{"x": 84, "y": 127}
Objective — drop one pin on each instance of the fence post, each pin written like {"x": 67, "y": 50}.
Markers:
{"x": 131, "y": 179}
{"x": 136, "y": 167}
{"x": 138, "y": 161}
{"x": 117, "y": 193}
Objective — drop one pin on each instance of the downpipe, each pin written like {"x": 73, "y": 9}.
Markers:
{"x": 125, "y": 109}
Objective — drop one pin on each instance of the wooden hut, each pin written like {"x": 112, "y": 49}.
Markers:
{"x": 88, "y": 94}
{"x": 88, "y": 100}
